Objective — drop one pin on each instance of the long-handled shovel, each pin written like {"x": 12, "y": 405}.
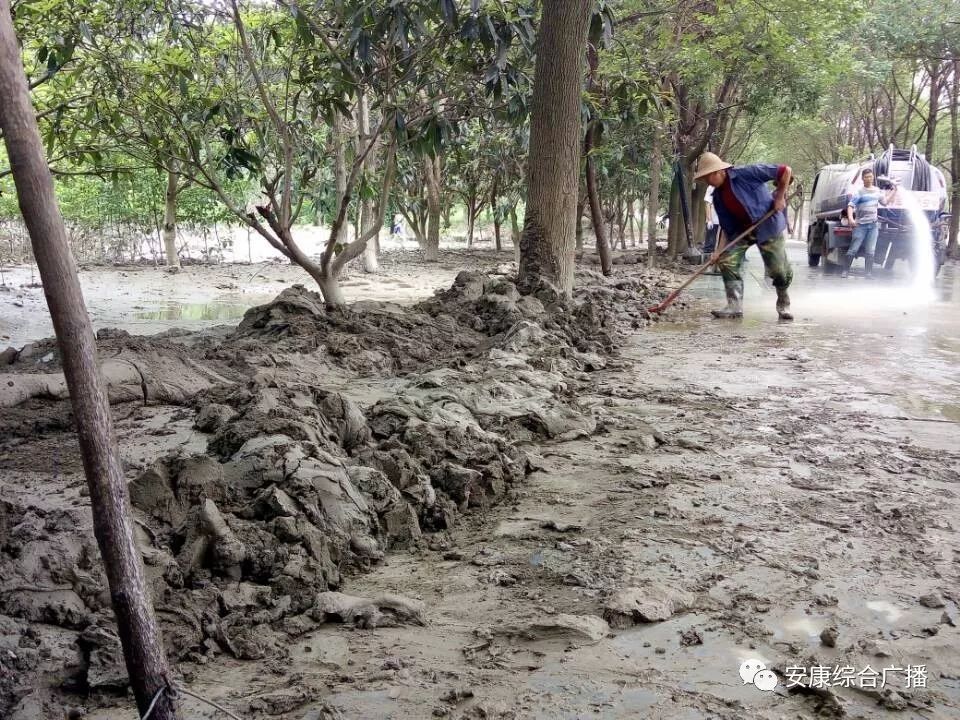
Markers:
{"x": 672, "y": 297}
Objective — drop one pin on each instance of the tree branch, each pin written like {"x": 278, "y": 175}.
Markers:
{"x": 280, "y": 126}
{"x": 356, "y": 248}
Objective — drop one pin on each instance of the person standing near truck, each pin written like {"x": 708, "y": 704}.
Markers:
{"x": 741, "y": 197}
{"x": 862, "y": 215}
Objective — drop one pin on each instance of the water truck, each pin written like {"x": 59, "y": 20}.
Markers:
{"x": 901, "y": 230}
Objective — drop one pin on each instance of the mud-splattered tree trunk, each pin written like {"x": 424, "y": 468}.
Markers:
{"x": 109, "y": 499}
{"x": 547, "y": 243}
{"x": 170, "y": 198}
{"x": 431, "y": 177}
{"x": 653, "y": 199}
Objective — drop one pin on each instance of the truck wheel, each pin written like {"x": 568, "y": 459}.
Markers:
{"x": 813, "y": 259}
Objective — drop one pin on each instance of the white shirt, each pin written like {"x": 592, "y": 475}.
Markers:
{"x": 712, "y": 218}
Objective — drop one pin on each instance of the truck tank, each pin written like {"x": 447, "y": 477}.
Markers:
{"x": 827, "y": 235}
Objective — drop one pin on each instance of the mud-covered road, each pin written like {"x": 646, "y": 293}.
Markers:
{"x": 750, "y": 492}
{"x": 790, "y": 477}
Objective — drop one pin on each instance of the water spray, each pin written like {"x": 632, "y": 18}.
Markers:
{"x": 922, "y": 262}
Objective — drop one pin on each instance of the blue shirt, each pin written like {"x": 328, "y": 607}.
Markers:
{"x": 750, "y": 186}
{"x": 866, "y": 202}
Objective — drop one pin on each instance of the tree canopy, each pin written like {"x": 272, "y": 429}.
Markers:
{"x": 274, "y": 114}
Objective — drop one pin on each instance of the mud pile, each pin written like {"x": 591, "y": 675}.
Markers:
{"x": 478, "y": 313}
{"x": 299, "y": 485}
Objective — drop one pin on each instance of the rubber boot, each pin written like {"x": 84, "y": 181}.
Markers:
{"x": 734, "y": 308}
{"x": 847, "y": 262}
{"x": 868, "y": 265}
{"x": 783, "y": 304}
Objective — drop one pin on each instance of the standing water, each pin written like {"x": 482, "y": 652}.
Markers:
{"x": 922, "y": 261}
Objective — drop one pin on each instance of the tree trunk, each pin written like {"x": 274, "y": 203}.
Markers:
{"x": 699, "y": 213}
{"x": 653, "y": 200}
{"x": 553, "y": 161}
{"x": 686, "y": 229}
{"x": 170, "y": 219}
{"x": 798, "y": 219}
{"x": 954, "y": 160}
{"x": 338, "y": 137}
{"x": 641, "y": 218}
{"x": 432, "y": 181}
{"x": 674, "y": 229}
{"x": 471, "y": 219}
{"x": 581, "y": 206}
{"x": 515, "y": 234}
{"x": 631, "y": 218}
{"x": 495, "y": 209}
{"x": 417, "y": 224}
{"x": 330, "y": 289}
{"x": 621, "y": 215}
{"x": 496, "y": 232}
{"x": 593, "y": 195}
{"x": 334, "y": 259}
{"x": 368, "y": 211}
{"x": 110, "y": 502}
{"x": 935, "y": 72}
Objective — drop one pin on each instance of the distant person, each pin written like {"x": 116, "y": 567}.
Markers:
{"x": 741, "y": 197}
{"x": 862, "y": 211}
{"x": 713, "y": 223}
{"x": 397, "y": 231}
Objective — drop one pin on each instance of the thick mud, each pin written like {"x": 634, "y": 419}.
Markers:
{"x": 494, "y": 506}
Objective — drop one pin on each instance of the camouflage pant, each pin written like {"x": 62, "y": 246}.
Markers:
{"x": 774, "y": 254}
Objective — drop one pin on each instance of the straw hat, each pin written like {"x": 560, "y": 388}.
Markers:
{"x": 709, "y": 163}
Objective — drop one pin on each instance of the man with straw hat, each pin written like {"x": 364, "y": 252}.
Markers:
{"x": 741, "y": 198}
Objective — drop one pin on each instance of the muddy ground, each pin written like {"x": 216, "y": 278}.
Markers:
{"x": 143, "y": 299}
{"x": 502, "y": 507}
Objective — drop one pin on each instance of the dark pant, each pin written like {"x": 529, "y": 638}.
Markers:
{"x": 710, "y": 240}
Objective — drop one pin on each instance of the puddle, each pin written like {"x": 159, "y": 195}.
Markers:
{"x": 194, "y": 311}
{"x": 929, "y": 409}
{"x": 797, "y": 626}
{"x": 886, "y": 611}
{"x": 712, "y": 667}
{"x": 590, "y": 698}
